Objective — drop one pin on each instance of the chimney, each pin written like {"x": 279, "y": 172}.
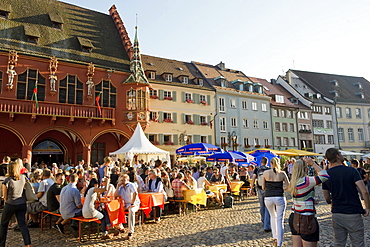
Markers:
{"x": 273, "y": 81}
{"x": 221, "y": 66}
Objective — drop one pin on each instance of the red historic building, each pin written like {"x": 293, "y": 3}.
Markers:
{"x": 70, "y": 58}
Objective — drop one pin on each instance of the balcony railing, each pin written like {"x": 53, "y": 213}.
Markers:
{"x": 55, "y": 109}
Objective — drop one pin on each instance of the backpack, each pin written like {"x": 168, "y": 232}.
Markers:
{"x": 156, "y": 182}
{"x": 229, "y": 202}
{"x": 260, "y": 173}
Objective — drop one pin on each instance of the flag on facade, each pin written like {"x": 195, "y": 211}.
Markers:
{"x": 97, "y": 99}
{"x": 210, "y": 124}
{"x": 34, "y": 96}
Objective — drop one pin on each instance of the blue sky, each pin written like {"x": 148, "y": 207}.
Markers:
{"x": 261, "y": 38}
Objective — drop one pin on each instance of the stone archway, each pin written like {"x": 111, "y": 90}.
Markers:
{"x": 12, "y": 142}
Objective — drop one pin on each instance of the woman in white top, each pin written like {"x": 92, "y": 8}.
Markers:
{"x": 88, "y": 209}
{"x": 110, "y": 189}
{"x": 190, "y": 180}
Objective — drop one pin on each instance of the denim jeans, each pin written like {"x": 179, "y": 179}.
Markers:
{"x": 276, "y": 207}
{"x": 265, "y": 216}
{"x": 20, "y": 213}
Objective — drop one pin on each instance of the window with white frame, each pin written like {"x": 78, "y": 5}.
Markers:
{"x": 233, "y": 122}
{"x": 278, "y": 141}
{"x": 222, "y": 124}
{"x": 244, "y": 105}
{"x": 152, "y": 138}
{"x": 153, "y": 93}
{"x": 153, "y": 116}
{"x": 265, "y": 124}
{"x": 202, "y": 99}
{"x": 279, "y": 98}
{"x": 185, "y": 80}
{"x": 303, "y": 115}
{"x": 285, "y": 141}
{"x": 203, "y": 139}
{"x": 188, "y": 96}
{"x": 167, "y": 116}
{"x": 223, "y": 139}
{"x": 339, "y": 111}
{"x": 221, "y": 104}
{"x": 330, "y": 139}
{"x": 245, "y": 123}
{"x": 200, "y": 82}
{"x": 304, "y": 127}
{"x": 203, "y": 120}
{"x": 167, "y": 139}
{"x": 254, "y": 106}
{"x": 246, "y": 141}
{"x": 319, "y": 139}
{"x": 255, "y": 124}
{"x": 266, "y": 141}
{"x": 341, "y": 134}
{"x": 318, "y": 123}
{"x": 188, "y": 119}
{"x": 264, "y": 107}
{"x": 291, "y": 127}
{"x": 348, "y": 112}
{"x": 151, "y": 75}
{"x": 327, "y": 110}
{"x": 329, "y": 124}
{"x": 283, "y": 115}
{"x": 275, "y": 112}
{"x": 316, "y": 109}
{"x": 358, "y": 112}
{"x": 360, "y": 134}
{"x": 292, "y": 141}
{"x": 168, "y": 77}
{"x": 351, "y": 136}
{"x": 256, "y": 141}
{"x": 167, "y": 94}
{"x": 232, "y": 103}
{"x": 277, "y": 126}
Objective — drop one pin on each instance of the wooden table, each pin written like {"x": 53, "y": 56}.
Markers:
{"x": 151, "y": 199}
{"x": 196, "y": 196}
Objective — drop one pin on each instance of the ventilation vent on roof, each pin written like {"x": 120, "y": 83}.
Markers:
{"x": 334, "y": 82}
{"x": 200, "y": 82}
{"x": 335, "y": 92}
{"x": 86, "y": 44}
{"x": 308, "y": 95}
{"x": 358, "y": 84}
{"x": 56, "y": 20}
{"x": 361, "y": 94}
{"x": 294, "y": 100}
{"x": 317, "y": 96}
{"x": 32, "y": 33}
{"x": 151, "y": 64}
{"x": 180, "y": 68}
{"x": 5, "y": 9}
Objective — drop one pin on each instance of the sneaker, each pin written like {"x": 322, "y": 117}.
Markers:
{"x": 60, "y": 228}
{"x": 33, "y": 225}
{"x": 267, "y": 230}
{"x": 157, "y": 220}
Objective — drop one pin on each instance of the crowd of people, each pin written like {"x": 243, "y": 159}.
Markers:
{"x": 73, "y": 190}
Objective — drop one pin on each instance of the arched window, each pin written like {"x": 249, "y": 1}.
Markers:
{"x": 71, "y": 90}
{"x": 26, "y": 84}
{"x": 108, "y": 93}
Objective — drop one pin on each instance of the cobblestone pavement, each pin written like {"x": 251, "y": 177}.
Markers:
{"x": 237, "y": 226}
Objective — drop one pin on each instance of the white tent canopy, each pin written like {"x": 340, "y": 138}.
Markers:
{"x": 140, "y": 145}
{"x": 344, "y": 153}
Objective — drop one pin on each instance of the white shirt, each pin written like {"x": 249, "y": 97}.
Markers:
{"x": 88, "y": 209}
{"x": 44, "y": 187}
{"x": 126, "y": 192}
{"x": 201, "y": 182}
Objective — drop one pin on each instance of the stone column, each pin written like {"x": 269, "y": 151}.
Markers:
{"x": 86, "y": 153}
{"x": 27, "y": 153}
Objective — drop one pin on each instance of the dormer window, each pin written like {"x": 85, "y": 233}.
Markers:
{"x": 358, "y": 84}
{"x": 200, "y": 82}
{"x": 308, "y": 95}
{"x": 258, "y": 88}
{"x": 151, "y": 75}
{"x": 185, "y": 80}
{"x": 335, "y": 83}
{"x": 294, "y": 100}
{"x": 168, "y": 77}
{"x": 317, "y": 96}
{"x": 86, "y": 45}
{"x": 361, "y": 95}
{"x": 335, "y": 92}
{"x": 5, "y": 10}
{"x": 56, "y": 20}
{"x": 32, "y": 33}
{"x": 221, "y": 80}
{"x": 279, "y": 98}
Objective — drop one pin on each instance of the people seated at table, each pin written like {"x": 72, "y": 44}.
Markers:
{"x": 36, "y": 178}
{"x": 190, "y": 180}
{"x": 81, "y": 182}
{"x": 53, "y": 197}
{"x": 137, "y": 180}
{"x": 128, "y": 192}
{"x": 70, "y": 203}
{"x": 178, "y": 186}
{"x": 37, "y": 207}
{"x": 233, "y": 174}
{"x": 89, "y": 211}
{"x": 209, "y": 173}
{"x": 217, "y": 178}
{"x": 109, "y": 188}
{"x": 154, "y": 184}
{"x": 195, "y": 173}
{"x": 167, "y": 184}
{"x": 173, "y": 174}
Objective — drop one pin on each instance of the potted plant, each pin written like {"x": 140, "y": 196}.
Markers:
{"x": 203, "y": 102}
{"x": 167, "y": 98}
{"x": 204, "y": 123}
{"x": 224, "y": 145}
{"x": 189, "y": 122}
{"x": 189, "y": 101}
{"x": 235, "y": 144}
{"x": 267, "y": 146}
{"x": 247, "y": 146}
{"x": 168, "y": 120}
{"x": 257, "y": 146}
{"x": 153, "y": 96}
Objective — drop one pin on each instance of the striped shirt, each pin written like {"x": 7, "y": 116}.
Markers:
{"x": 303, "y": 202}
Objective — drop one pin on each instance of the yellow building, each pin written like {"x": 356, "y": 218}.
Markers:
{"x": 181, "y": 104}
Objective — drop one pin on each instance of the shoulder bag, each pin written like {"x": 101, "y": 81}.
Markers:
{"x": 29, "y": 192}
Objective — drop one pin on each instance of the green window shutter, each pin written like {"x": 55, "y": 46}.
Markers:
{"x": 173, "y": 96}
{"x": 208, "y": 119}
{"x": 183, "y": 118}
{"x": 196, "y": 138}
{"x": 209, "y": 139}
{"x": 196, "y": 119}
{"x": 161, "y": 139}
{"x": 160, "y": 116}
{"x": 175, "y": 139}
{"x": 208, "y": 99}
{"x": 195, "y": 99}
{"x": 161, "y": 94}
{"x": 174, "y": 117}
{"x": 183, "y": 97}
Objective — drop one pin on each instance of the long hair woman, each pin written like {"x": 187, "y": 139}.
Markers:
{"x": 302, "y": 189}
{"x": 273, "y": 184}
{"x": 15, "y": 203}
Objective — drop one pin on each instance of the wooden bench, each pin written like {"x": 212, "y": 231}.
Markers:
{"x": 245, "y": 191}
{"x": 80, "y": 220}
{"x": 182, "y": 205}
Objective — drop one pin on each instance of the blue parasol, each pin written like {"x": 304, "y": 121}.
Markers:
{"x": 198, "y": 149}
{"x": 250, "y": 159}
{"x": 258, "y": 154}
{"x": 230, "y": 156}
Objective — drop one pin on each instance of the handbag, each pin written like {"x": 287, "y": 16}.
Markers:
{"x": 169, "y": 192}
{"x": 304, "y": 224}
{"x": 29, "y": 193}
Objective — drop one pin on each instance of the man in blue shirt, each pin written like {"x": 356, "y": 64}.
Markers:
{"x": 70, "y": 203}
{"x": 340, "y": 190}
